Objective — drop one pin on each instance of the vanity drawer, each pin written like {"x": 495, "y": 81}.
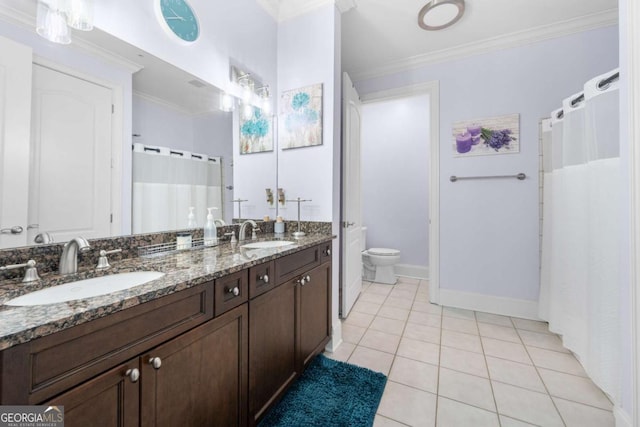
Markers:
{"x": 261, "y": 278}
{"x": 325, "y": 252}
{"x": 291, "y": 265}
{"x": 44, "y": 367}
{"x": 231, "y": 291}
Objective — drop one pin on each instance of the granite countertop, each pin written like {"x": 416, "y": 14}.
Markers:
{"x": 183, "y": 269}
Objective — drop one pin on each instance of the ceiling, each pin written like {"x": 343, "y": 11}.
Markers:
{"x": 382, "y": 36}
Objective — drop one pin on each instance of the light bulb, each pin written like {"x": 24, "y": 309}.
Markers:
{"x": 226, "y": 102}
{"x": 247, "y": 111}
{"x": 266, "y": 106}
{"x": 80, "y": 14}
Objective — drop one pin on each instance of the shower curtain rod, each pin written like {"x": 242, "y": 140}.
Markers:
{"x": 602, "y": 85}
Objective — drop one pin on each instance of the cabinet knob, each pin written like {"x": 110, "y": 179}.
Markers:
{"x": 235, "y": 290}
{"x": 308, "y": 278}
{"x": 301, "y": 281}
{"x": 156, "y": 362}
{"x": 328, "y": 251}
{"x": 133, "y": 374}
{"x": 265, "y": 278}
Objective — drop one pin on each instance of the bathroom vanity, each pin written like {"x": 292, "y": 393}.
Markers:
{"x": 216, "y": 341}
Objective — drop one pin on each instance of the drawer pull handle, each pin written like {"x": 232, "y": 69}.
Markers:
{"x": 156, "y": 362}
{"x": 301, "y": 281}
{"x": 133, "y": 374}
{"x": 265, "y": 278}
{"x": 235, "y": 291}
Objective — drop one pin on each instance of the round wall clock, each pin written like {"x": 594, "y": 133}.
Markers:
{"x": 179, "y": 19}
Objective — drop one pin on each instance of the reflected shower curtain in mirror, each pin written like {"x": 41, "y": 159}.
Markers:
{"x": 581, "y": 237}
{"x": 167, "y": 182}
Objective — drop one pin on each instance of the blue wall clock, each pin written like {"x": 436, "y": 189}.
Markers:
{"x": 180, "y": 19}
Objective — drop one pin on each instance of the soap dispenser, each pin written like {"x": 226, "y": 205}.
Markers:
{"x": 210, "y": 231}
{"x": 191, "y": 219}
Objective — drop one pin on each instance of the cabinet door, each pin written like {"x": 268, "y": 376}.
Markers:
{"x": 199, "y": 378}
{"x": 272, "y": 338}
{"x": 315, "y": 312}
{"x": 109, "y": 400}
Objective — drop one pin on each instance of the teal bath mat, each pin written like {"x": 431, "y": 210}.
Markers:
{"x": 329, "y": 393}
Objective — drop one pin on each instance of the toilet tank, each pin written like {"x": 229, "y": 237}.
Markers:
{"x": 363, "y": 239}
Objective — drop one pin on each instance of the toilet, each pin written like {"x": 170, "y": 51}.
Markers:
{"x": 378, "y": 263}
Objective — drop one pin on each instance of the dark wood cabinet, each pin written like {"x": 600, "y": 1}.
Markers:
{"x": 314, "y": 312}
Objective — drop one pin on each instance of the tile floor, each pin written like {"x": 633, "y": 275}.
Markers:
{"x": 448, "y": 367}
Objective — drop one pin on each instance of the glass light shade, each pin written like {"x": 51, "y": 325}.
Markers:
{"x": 266, "y": 106}
{"x": 80, "y": 14}
{"x": 226, "y": 102}
{"x": 247, "y": 93}
{"x": 51, "y": 23}
{"x": 247, "y": 111}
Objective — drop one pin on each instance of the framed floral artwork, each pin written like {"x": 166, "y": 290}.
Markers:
{"x": 481, "y": 137}
{"x": 301, "y": 117}
{"x": 256, "y": 133}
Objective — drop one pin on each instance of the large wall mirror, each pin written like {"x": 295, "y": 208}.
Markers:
{"x": 117, "y": 142}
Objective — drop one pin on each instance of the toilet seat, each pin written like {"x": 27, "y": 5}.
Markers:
{"x": 384, "y": 252}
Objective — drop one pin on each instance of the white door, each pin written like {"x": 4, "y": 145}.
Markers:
{"x": 351, "y": 196}
{"x": 15, "y": 114}
{"x": 70, "y": 192}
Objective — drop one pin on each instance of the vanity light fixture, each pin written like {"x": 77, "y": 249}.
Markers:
{"x": 80, "y": 14}
{"x": 440, "y": 14}
{"x": 265, "y": 101}
{"x": 247, "y": 111}
{"x": 227, "y": 102}
{"x": 51, "y": 22}
{"x": 246, "y": 84}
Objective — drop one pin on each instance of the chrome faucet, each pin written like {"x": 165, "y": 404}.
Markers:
{"x": 243, "y": 230}
{"x": 69, "y": 257}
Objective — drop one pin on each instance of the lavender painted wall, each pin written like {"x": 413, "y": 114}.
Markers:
{"x": 395, "y": 176}
{"x": 489, "y": 229}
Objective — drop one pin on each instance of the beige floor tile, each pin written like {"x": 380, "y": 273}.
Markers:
{"x": 408, "y": 280}
{"x": 352, "y": 334}
{"x": 466, "y": 388}
{"x": 531, "y": 325}
{"x": 377, "y": 288}
{"x": 403, "y": 294}
{"x": 505, "y": 350}
{"x": 456, "y": 414}
{"x": 394, "y": 313}
{"x": 391, "y": 326}
{"x": 463, "y": 361}
{"x": 412, "y": 287}
{"x": 366, "y": 307}
{"x": 359, "y": 319}
{"x": 342, "y": 353}
{"x": 398, "y": 303}
{"x": 577, "y": 415}
{"x": 426, "y": 307}
{"x": 375, "y": 360}
{"x": 380, "y": 341}
{"x": 526, "y": 405}
{"x": 510, "y": 422}
{"x": 498, "y": 332}
{"x": 408, "y": 405}
{"x": 419, "y": 350}
{"x": 546, "y": 341}
{"x": 461, "y": 341}
{"x": 494, "y": 319}
{"x": 459, "y": 313}
{"x": 419, "y": 332}
{"x": 460, "y": 325}
{"x": 426, "y": 319}
{"x": 415, "y": 374}
{"x": 380, "y": 421}
{"x": 422, "y": 297}
{"x": 515, "y": 373}
{"x": 371, "y": 297}
{"x": 577, "y": 389}
{"x": 563, "y": 362}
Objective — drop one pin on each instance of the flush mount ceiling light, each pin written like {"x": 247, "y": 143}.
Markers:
{"x": 440, "y": 14}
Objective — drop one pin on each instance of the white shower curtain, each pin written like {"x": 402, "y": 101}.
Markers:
{"x": 580, "y": 246}
{"x": 167, "y": 182}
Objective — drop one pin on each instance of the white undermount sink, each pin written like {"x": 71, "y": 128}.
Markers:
{"x": 86, "y": 288}
{"x": 269, "y": 244}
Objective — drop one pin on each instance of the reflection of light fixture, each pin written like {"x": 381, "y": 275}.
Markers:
{"x": 246, "y": 84}
{"x": 247, "y": 111}
{"x": 265, "y": 102}
{"x": 80, "y": 14}
{"x": 51, "y": 22}
{"x": 226, "y": 102}
{"x": 440, "y": 14}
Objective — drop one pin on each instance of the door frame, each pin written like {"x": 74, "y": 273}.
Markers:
{"x": 432, "y": 89}
{"x": 117, "y": 124}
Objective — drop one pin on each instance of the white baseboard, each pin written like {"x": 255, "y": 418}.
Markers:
{"x": 621, "y": 417}
{"x": 336, "y": 336}
{"x": 408, "y": 270}
{"x": 490, "y": 304}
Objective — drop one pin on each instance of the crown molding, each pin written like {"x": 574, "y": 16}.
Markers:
{"x": 283, "y": 10}
{"x": 27, "y": 21}
{"x": 164, "y": 103}
{"x": 506, "y": 41}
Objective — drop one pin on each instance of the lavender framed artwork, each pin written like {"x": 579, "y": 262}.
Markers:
{"x": 492, "y": 135}
{"x": 256, "y": 133}
{"x": 301, "y": 117}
